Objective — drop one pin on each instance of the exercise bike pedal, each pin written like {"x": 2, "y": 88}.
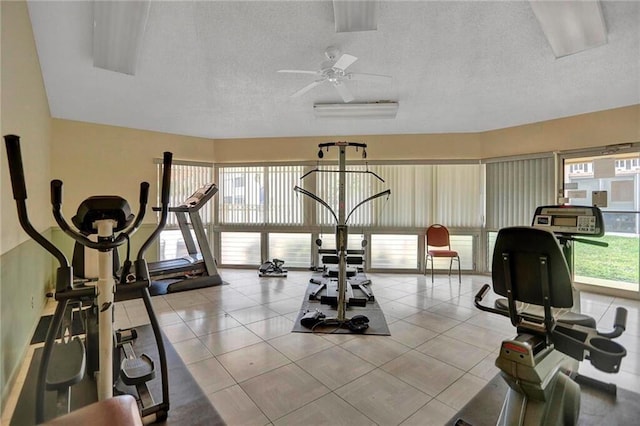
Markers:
{"x": 137, "y": 371}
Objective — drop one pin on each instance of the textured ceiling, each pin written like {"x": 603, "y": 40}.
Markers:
{"x": 209, "y": 68}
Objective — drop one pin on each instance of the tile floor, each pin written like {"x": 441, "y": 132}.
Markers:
{"x": 236, "y": 340}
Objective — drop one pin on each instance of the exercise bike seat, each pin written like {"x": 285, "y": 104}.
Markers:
{"x": 561, "y": 315}
{"x": 531, "y": 273}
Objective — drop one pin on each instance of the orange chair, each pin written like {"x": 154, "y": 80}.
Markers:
{"x": 438, "y": 238}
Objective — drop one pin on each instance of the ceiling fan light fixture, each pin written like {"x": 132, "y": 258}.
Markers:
{"x": 371, "y": 110}
{"x": 571, "y": 26}
{"x": 355, "y": 15}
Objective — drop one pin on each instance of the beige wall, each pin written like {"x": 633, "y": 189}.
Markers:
{"x": 380, "y": 147}
{"x": 610, "y": 127}
{"x": 97, "y": 159}
{"x": 25, "y": 112}
{"x": 25, "y": 269}
{"x": 583, "y": 131}
{"x": 94, "y": 159}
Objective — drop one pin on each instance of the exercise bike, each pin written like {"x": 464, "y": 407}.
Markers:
{"x": 105, "y": 354}
{"x": 539, "y": 364}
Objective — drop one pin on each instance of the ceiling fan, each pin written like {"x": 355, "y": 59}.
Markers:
{"x": 333, "y": 71}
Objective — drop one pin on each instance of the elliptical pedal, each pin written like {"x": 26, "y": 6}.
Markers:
{"x": 134, "y": 370}
{"x": 71, "y": 359}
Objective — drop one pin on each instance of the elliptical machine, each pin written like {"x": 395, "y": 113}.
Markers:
{"x": 108, "y": 353}
{"x": 539, "y": 363}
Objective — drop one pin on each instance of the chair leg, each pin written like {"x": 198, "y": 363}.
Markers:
{"x": 459, "y": 276}
{"x": 430, "y": 258}
{"x": 450, "y": 264}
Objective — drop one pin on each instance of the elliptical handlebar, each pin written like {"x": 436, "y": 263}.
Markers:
{"x": 16, "y": 171}
{"x": 164, "y": 204}
{"x": 56, "y": 203}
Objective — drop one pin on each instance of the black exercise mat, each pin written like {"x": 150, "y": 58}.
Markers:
{"x": 596, "y": 407}
{"x": 39, "y": 335}
{"x": 157, "y": 288}
{"x": 377, "y": 322}
{"x": 188, "y": 404}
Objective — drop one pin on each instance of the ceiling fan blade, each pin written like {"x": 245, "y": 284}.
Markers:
{"x": 305, "y": 89}
{"x": 343, "y": 91}
{"x": 344, "y": 61}
{"x": 369, "y": 77}
{"x": 299, "y": 71}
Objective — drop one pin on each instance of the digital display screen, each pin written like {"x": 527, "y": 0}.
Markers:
{"x": 571, "y": 221}
{"x": 543, "y": 220}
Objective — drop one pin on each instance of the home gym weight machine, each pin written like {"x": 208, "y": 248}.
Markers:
{"x": 533, "y": 268}
{"x": 339, "y": 291}
{"x": 105, "y": 353}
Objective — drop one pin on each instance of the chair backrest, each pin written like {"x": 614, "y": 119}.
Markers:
{"x": 525, "y": 247}
{"x": 438, "y": 236}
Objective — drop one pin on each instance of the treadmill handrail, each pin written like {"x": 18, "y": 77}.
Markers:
{"x": 211, "y": 189}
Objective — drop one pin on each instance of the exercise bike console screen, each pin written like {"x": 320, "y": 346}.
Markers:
{"x": 570, "y": 220}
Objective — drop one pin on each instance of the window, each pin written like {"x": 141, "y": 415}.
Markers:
{"x": 240, "y": 248}
{"x": 295, "y": 249}
{"x": 515, "y": 188}
{"x": 618, "y": 265}
{"x": 247, "y": 200}
{"x": 259, "y": 195}
{"x": 421, "y": 194}
{"x": 394, "y": 251}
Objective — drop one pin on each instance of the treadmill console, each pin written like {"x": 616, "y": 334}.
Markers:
{"x": 570, "y": 220}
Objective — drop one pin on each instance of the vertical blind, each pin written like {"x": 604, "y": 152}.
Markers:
{"x": 358, "y": 186}
{"x": 424, "y": 194}
{"x": 458, "y": 197}
{"x": 515, "y": 188}
{"x": 420, "y": 195}
{"x": 255, "y": 195}
{"x": 186, "y": 178}
{"x": 284, "y": 205}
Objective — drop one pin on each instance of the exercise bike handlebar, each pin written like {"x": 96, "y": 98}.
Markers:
{"x": 478, "y": 298}
{"x": 619, "y": 323}
{"x": 18, "y": 185}
{"x": 56, "y": 202}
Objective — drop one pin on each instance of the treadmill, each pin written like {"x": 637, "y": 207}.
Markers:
{"x": 197, "y": 269}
